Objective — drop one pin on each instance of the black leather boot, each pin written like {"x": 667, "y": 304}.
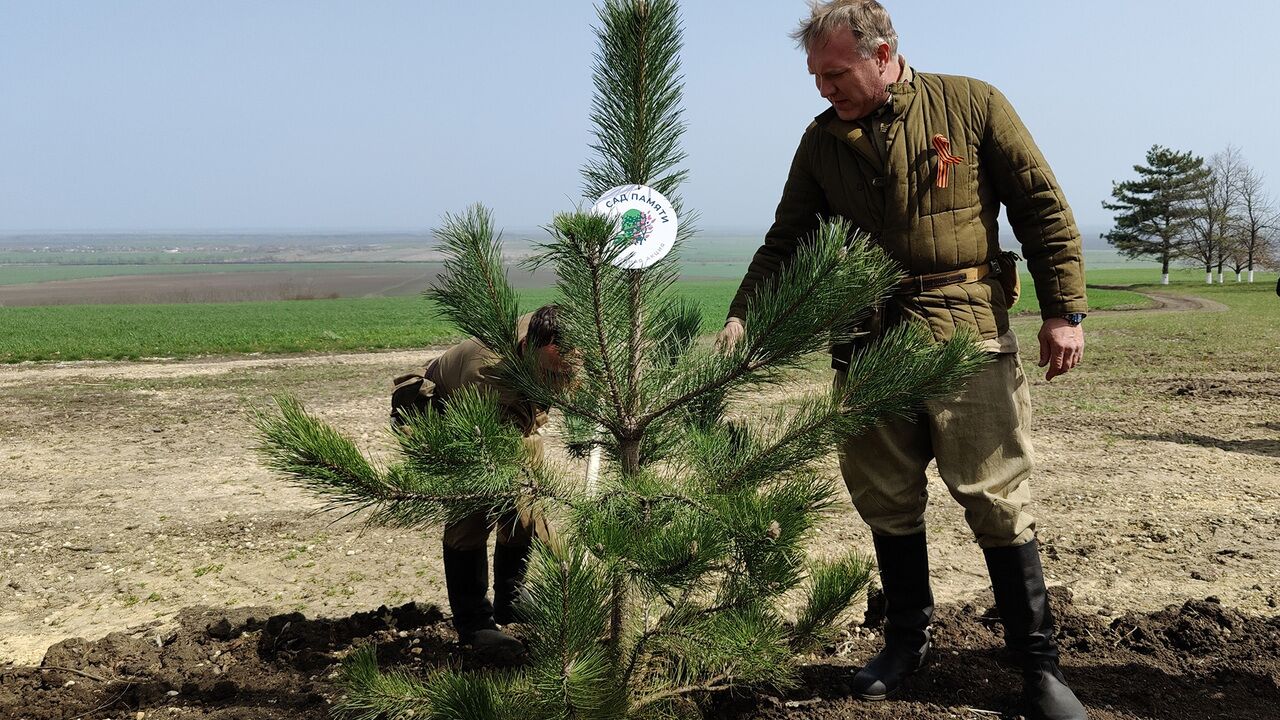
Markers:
{"x": 904, "y": 576}
{"x": 1017, "y": 580}
{"x": 509, "y": 562}
{"x": 466, "y": 578}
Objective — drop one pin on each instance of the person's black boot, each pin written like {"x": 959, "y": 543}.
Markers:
{"x": 1017, "y": 580}
{"x": 904, "y": 576}
{"x": 466, "y": 578}
{"x": 509, "y": 562}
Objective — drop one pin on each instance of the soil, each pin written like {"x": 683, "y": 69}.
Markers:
{"x": 1195, "y": 661}
{"x": 133, "y": 513}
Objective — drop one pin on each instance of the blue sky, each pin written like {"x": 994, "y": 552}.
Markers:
{"x": 143, "y": 115}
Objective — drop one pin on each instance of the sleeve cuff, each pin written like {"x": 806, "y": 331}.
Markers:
{"x": 1057, "y": 310}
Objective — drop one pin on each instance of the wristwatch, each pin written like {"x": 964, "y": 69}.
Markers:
{"x": 1073, "y": 319}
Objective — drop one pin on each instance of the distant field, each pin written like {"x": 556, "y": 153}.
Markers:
{"x": 214, "y": 283}
{"x": 711, "y": 258}
{"x": 107, "y": 308}
{"x": 17, "y": 274}
{"x": 189, "y": 329}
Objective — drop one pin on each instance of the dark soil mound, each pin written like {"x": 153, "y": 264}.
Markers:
{"x": 1197, "y": 661}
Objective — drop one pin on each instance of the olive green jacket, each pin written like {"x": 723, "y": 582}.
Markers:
{"x": 838, "y": 170}
{"x": 471, "y": 364}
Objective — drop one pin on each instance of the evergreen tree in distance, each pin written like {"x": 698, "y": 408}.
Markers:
{"x": 1153, "y": 212}
{"x": 669, "y": 580}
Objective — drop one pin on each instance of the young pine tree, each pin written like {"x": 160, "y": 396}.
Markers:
{"x": 668, "y": 581}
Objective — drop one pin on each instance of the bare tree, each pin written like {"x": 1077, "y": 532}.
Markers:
{"x": 1258, "y": 221}
{"x": 1209, "y": 241}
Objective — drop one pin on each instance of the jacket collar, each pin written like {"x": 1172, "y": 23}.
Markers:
{"x": 901, "y": 94}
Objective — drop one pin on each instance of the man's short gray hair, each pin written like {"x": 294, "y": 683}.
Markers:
{"x": 868, "y": 20}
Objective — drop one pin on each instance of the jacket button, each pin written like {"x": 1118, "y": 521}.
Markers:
{"x": 878, "y": 182}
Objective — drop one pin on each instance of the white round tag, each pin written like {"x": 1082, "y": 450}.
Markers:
{"x": 646, "y": 224}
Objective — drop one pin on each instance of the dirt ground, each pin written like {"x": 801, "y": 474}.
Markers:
{"x": 131, "y": 503}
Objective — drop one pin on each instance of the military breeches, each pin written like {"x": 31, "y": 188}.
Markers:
{"x": 517, "y": 528}
{"x": 980, "y": 438}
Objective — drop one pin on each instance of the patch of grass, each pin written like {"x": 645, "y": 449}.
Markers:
{"x": 1100, "y": 298}
{"x": 206, "y": 569}
{"x": 1187, "y": 344}
{"x": 113, "y": 332}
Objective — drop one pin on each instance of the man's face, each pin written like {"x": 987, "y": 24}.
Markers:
{"x": 558, "y": 368}
{"x": 854, "y": 85}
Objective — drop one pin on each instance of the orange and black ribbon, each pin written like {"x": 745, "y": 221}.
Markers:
{"x": 945, "y": 158}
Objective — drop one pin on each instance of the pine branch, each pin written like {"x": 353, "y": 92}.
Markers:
{"x": 373, "y": 695}
{"x": 742, "y": 646}
{"x": 456, "y": 464}
{"x": 311, "y": 453}
{"x": 636, "y": 110}
{"x": 797, "y": 438}
{"x": 792, "y": 315}
{"x": 717, "y": 682}
{"x": 566, "y": 608}
{"x": 833, "y": 587}
{"x": 473, "y": 290}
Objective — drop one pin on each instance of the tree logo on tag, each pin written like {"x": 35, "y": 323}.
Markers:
{"x": 636, "y": 226}
{"x": 646, "y": 224}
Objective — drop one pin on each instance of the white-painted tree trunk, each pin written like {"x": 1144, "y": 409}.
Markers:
{"x": 1237, "y": 277}
{"x": 1164, "y": 279}
{"x": 593, "y": 467}
{"x": 1220, "y": 280}
{"x": 593, "y": 472}
{"x": 1208, "y": 277}
{"x": 1251, "y": 276}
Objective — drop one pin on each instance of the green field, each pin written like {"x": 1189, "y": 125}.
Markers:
{"x": 1129, "y": 349}
{"x": 80, "y": 332}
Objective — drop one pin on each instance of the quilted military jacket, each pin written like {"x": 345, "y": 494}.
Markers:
{"x": 471, "y": 364}
{"x": 839, "y": 171}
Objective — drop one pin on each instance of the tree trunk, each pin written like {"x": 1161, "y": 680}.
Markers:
{"x": 1208, "y": 276}
{"x": 630, "y": 456}
{"x": 1237, "y": 276}
{"x": 1164, "y": 269}
{"x": 1250, "y": 274}
{"x": 1164, "y": 279}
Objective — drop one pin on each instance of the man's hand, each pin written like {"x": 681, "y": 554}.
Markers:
{"x": 1061, "y": 346}
{"x": 730, "y": 335}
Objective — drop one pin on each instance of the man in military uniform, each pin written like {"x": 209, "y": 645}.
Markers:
{"x": 466, "y": 557}
{"x": 923, "y": 162}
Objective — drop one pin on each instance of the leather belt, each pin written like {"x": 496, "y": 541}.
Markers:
{"x": 921, "y": 283}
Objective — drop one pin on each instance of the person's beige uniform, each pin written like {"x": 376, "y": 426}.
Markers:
{"x": 879, "y": 172}
{"x": 980, "y": 437}
{"x": 471, "y": 364}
